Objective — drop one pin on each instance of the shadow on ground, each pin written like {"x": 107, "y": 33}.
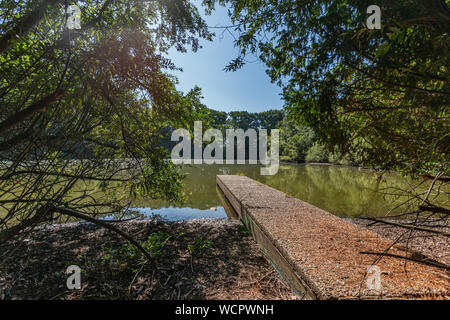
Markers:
{"x": 230, "y": 267}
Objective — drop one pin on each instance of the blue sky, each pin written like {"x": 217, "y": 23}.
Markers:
{"x": 248, "y": 89}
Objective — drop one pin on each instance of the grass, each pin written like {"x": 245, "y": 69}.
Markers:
{"x": 129, "y": 257}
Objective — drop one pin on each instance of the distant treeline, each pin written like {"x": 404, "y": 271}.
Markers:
{"x": 297, "y": 143}
{"x": 246, "y": 120}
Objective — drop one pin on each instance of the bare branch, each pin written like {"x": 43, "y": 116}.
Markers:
{"x": 413, "y": 227}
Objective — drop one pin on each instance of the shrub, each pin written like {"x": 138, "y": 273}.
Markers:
{"x": 317, "y": 153}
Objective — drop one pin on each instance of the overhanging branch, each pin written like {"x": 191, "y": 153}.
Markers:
{"x": 22, "y": 115}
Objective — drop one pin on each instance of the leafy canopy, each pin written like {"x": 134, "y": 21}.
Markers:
{"x": 381, "y": 96}
{"x": 83, "y": 111}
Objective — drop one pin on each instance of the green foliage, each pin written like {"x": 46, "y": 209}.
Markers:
{"x": 199, "y": 247}
{"x": 245, "y": 120}
{"x": 90, "y": 105}
{"x": 379, "y": 96}
{"x": 317, "y": 153}
{"x": 245, "y": 228}
{"x": 295, "y": 141}
{"x": 129, "y": 257}
{"x": 337, "y": 158}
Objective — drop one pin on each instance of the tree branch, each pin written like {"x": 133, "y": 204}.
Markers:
{"x": 26, "y": 23}
{"x": 435, "y": 209}
{"x": 419, "y": 228}
{"x": 106, "y": 225}
{"x": 427, "y": 262}
{"x": 28, "y": 112}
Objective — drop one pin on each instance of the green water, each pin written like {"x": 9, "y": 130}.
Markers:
{"x": 343, "y": 191}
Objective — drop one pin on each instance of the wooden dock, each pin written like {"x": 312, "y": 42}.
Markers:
{"x": 320, "y": 254}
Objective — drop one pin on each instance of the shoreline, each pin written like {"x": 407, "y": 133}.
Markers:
{"x": 198, "y": 259}
{"x": 233, "y": 268}
{"x": 330, "y": 164}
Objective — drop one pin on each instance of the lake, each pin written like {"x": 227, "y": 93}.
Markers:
{"x": 343, "y": 191}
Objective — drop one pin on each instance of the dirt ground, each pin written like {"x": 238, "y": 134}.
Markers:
{"x": 199, "y": 259}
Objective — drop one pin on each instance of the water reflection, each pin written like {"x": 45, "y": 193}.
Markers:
{"x": 343, "y": 191}
{"x": 177, "y": 214}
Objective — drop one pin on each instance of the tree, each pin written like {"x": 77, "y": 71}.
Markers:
{"x": 218, "y": 119}
{"x": 317, "y": 153}
{"x": 269, "y": 119}
{"x": 380, "y": 96}
{"x": 295, "y": 141}
{"x": 83, "y": 111}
